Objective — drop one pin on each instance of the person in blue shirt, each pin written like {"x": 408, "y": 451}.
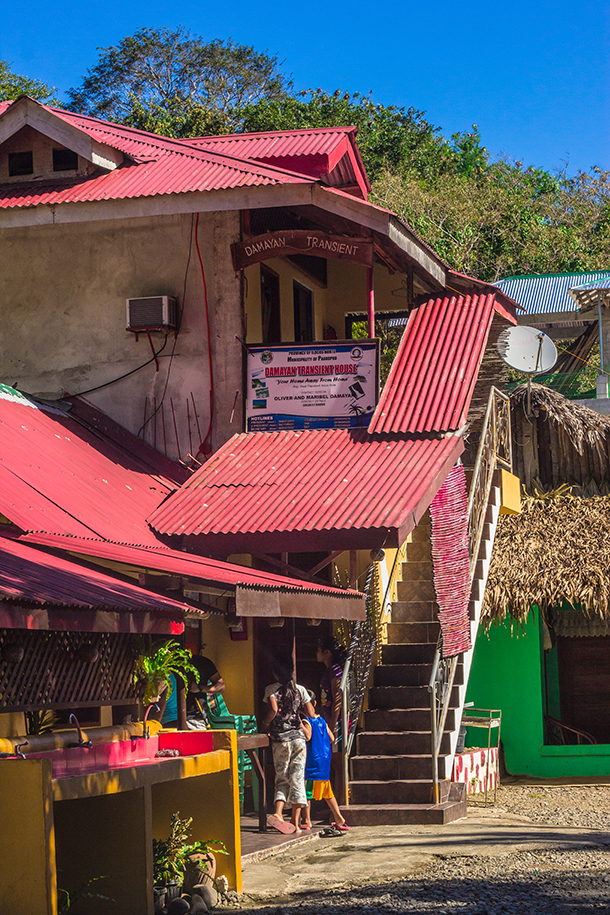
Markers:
{"x": 319, "y": 739}
{"x": 169, "y": 718}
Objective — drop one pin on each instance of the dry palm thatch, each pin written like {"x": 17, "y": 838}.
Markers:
{"x": 583, "y": 426}
{"x": 557, "y": 549}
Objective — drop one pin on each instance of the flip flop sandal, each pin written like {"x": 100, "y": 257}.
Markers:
{"x": 330, "y": 831}
{"x": 306, "y": 828}
{"x": 281, "y": 825}
{"x": 343, "y": 826}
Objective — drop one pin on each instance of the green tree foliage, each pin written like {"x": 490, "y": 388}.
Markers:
{"x": 506, "y": 219}
{"x": 12, "y": 86}
{"x": 175, "y": 83}
{"x": 388, "y": 137}
{"x": 487, "y": 218}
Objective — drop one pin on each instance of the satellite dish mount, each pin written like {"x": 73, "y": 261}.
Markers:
{"x": 527, "y": 350}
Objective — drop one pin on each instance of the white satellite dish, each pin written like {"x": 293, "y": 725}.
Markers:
{"x": 527, "y": 349}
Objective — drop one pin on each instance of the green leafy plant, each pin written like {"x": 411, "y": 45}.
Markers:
{"x": 42, "y": 722}
{"x": 154, "y": 666}
{"x": 171, "y": 856}
{"x": 66, "y": 901}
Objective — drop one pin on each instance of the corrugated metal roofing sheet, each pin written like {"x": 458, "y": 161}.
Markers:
{"x": 313, "y": 480}
{"x": 277, "y": 143}
{"x": 162, "y": 166}
{"x": 432, "y": 379}
{"x": 330, "y": 153}
{"x": 36, "y": 577}
{"x": 72, "y": 487}
{"x": 198, "y": 569}
{"x": 58, "y": 476}
{"x": 547, "y": 294}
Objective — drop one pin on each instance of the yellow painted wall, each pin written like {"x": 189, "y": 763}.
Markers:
{"x": 27, "y": 847}
{"x": 213, "y": 802}
{"x": 235, "y": 662}
{"x": 346, "y": 292}
{"x": 12, "y": 724}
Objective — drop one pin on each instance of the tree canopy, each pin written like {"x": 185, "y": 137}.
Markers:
{"x": 486, "y": 217}
{"x": 174, "y": 82}
{"x": 12, "y": 86}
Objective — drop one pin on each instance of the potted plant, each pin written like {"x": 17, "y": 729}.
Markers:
{"x": 154, "y": 667}
{"x": 176, "y": 856}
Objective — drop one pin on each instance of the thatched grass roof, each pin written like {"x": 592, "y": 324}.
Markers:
{"x": 557, "y": 549}
{"x": 583, "y": 426}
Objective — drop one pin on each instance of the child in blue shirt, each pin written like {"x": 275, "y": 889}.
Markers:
{"x": 319, "y": 739}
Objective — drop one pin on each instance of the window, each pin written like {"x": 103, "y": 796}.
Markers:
{"x": 303, "y": 313}
{"x": 64, "y": 160}
{"x": 20, "y": 163}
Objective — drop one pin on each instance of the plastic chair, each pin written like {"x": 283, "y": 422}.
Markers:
{"x": 219, "y": 717}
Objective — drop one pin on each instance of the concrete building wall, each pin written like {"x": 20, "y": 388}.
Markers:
{"x": 62, "y": 293}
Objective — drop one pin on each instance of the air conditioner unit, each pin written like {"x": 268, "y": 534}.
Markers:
{"x": 152, "y": 311}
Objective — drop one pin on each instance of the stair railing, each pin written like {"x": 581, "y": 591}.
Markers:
{"x": 495, "y": 449}
{"x": 356, "y": 672}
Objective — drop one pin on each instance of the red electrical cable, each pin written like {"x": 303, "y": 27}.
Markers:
{"x": 205, "y": 447}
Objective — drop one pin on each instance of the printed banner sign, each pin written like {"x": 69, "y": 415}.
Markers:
{"x": 312, "y": 385}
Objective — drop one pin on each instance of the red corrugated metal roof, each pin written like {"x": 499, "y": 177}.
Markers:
{"x": 60, "y": 477}
{"x": 504, "y": 305}
{"x": 325, "y": 152}
{"x": 32, "y": 576}
{"x": 80, "y": 483}
{"x": 198, "y": 569}
{"x": 160, "y": 165}
{"x": 270, "y": 144}
{"x": 432, "y": 379}
{"x": 315, "y": 480}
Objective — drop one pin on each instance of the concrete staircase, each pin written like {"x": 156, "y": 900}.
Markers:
{"x": 391, "y": 771}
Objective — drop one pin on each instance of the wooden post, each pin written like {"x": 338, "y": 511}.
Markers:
{"x": 353, "y": 577}
{"x": 371, "y": 301}
{"x": 181, "y": 704}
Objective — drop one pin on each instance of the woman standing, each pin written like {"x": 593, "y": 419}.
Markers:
{"x": 286, "y": 700}
{"x": 333, "y": 655}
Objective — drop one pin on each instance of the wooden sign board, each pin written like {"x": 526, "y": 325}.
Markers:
{"x": 302, "y": 241}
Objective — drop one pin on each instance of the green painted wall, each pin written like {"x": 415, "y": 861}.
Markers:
{"x": 506, "y": 674}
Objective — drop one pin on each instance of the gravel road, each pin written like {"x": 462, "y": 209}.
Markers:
{"x": 587, "y": 806}
{"x": 569, "y": 881}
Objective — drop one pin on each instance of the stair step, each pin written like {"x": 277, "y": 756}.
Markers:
{"x": 411, "y": 653}
{"x": 402, "y": 674}
{"x": 405, "y": 814}
{"x": 413, "y": 632}
{"x": 420, "y": 551}
{"x": 392, "y": 768}
{"x": 415, "y": 590}
{"x": 400, "y": 743}
{"x": 399, "y": 720}
{"x": 414, "y": 611}
{"x": 404, "y": 791}
{"x": 405, "y": 697}
{"x": 422, "y": 532}
{"x": 420, "y": 570}
{"x": 410, "y": 674}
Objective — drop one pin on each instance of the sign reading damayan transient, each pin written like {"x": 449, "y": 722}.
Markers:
{"x": 312, "y": 385}
{"x": 302, "y": 241}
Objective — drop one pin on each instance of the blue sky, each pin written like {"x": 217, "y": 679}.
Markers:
{"x": 534, "y": 76}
